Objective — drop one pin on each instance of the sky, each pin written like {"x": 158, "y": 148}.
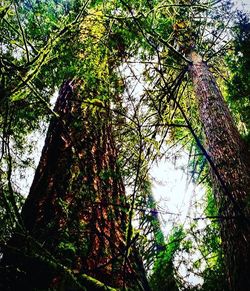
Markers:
{"x": 244, "y": 3}
{"x": 176, "y": 196}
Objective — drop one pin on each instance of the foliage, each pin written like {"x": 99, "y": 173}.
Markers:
{"x": 116, "y": 47}
{"x": 239, "y": 62}
{"x": 162, "y": 277}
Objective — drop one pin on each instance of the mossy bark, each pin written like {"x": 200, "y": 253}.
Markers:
{"x": 76, "y": 208}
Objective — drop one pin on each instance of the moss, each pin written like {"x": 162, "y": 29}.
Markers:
{"x": 93, "y": 284}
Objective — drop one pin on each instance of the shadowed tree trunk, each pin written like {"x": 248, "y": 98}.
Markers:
{"x": 232, "y": 180}
{"x": 76, "y": 208}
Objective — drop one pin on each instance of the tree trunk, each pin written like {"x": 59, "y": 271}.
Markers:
{"x": 76, "y": 209}
{"x": 231, "y": 179}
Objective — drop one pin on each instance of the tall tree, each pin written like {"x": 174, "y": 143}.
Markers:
{"x": 74, "y": 220}
{"x": 198, "y": 33}
{"x": 76, "y": 207}
{"x": 230, "y": 158}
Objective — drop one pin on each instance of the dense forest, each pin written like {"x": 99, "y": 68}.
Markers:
{"x": 136, "y": 82}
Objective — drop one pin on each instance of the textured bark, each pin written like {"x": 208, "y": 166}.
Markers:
{"x": 230, "y": 157}
{"x": 76, "y": 207}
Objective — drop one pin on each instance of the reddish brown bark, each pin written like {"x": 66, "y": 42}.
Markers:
{"x": 77, "y": 207}
{"x": 230, "y": 157}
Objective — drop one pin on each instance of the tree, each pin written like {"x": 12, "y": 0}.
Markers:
{"x": 199, "y": 34}
{"x": 76, "y": 207}
{"x": 74, "y": 221}
{"x": 231, "y": 177}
